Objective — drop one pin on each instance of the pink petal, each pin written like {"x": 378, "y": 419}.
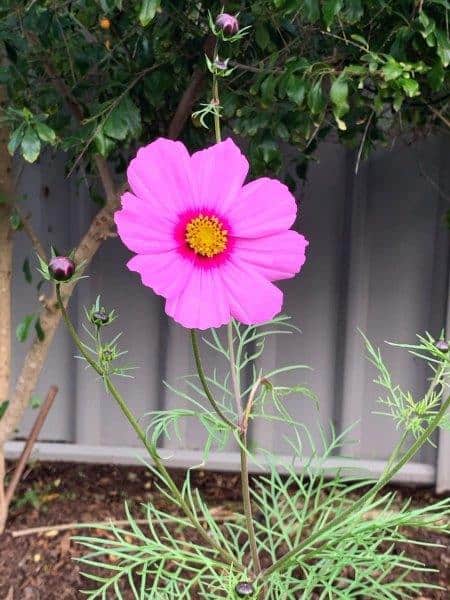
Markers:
{"x": 220, "y": 172}
{"x": 278, "y": 256}
{"x": 161, "y": 172}
{"x": 142, "y": 228}
{"x": 264, "y": 207}
{"x": 252, "y": 298}
{"x": 166, "y": 273}
{"x": 202, "y": 303}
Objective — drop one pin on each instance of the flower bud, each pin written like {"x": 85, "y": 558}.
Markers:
{"x": 61, "y": 268}
{"x": 221, "y": 65}
{"x": 244, "y": 589}
{"x": 100, "y": 317}
{"x": 227, "y": 23}
{"x": 442, "y": 345}
{"x": 105, "y": 23}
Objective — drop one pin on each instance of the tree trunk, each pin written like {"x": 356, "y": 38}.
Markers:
{"x": 6, "y": 185}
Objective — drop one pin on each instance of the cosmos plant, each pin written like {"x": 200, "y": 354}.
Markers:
{"x": 213, "y": 245}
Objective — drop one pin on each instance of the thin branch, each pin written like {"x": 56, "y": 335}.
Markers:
{"x": 363, "y": 141}
{"x": 439, "y": 114}
{"x": 32, "y": 235}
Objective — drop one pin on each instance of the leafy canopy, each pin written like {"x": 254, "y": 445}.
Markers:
{"x": 364, "y": 68}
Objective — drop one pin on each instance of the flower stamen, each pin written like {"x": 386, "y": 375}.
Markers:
{"x": 206, "y": 236}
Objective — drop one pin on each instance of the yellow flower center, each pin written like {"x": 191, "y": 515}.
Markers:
{"x": 206, "y": 236}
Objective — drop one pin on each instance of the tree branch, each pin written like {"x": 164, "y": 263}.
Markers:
{"x": 191, "y": 94}
{"x": 32, "y": 235}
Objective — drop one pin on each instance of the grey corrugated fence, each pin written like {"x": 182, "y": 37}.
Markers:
{"x": 378, "y": 260}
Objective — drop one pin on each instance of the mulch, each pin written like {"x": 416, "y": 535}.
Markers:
{"x": 42, "y": 566}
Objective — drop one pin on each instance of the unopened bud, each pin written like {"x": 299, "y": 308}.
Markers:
{"x": 244, "y": 589}
{"x": 100, "y": 318}
{"x": 227, "y": 23}
{"x": 442, "y": 345}
{"x": 221, "y": 65}
{"x": 61, "y": 268}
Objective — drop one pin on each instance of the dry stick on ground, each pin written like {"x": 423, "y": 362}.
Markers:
{"x": 46, "y": 529}
{"x": 99, "y": 230}
{"x": 32, "y": 437}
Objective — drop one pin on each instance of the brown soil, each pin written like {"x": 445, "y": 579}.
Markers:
{"x": 41, "y": 566}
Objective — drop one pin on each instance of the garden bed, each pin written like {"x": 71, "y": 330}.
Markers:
{"x": 40, "y": 565}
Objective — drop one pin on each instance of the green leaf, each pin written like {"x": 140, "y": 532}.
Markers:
{"x": 27, "y": 270}
{"x": 124, "y": 120}
{"x": 296, "y": 88}
{"x": 410, "y": 87}
{"x": 3, "y": 406}
{"x": 354, "y": 10}
{"x": 268, "y": 87}
{"x": 443, "y": 47}
{"x": 330, "y": 9}
{"x": 339, "y": 96}
{"x": 398, "y": 101}
{"x": 15, "y": 221}
{"x": 361, "y": 40}
{"x": 23, "y": 328}
{"x": 39, "y": 331}
{"x": 103, "y": 144}
{"x": 46, "y": 133}
{"x": 15, "y": 139}
{"x": 312, "y": 10}
{"x": 445, "y": 422}
{"x": 391, "y": 70}
{"x": 262, "y": 36}
{"x": 31, "y": 145}
{"x": 149, "y": 8}
{"x": 436, "y": 76}
{"x": 35, "y": 401}
{"x": 316, "y": 98}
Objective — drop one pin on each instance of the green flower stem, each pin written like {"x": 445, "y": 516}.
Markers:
{"x": 151, "y": 449}
{"x": 217, "y": 109}
{"x": 202, "y": 377}
{"x": 236, "y": 388}
{"x": 384, "y": 480}
{"x": 245, "y": 477}
{"x": 233, "y": 371}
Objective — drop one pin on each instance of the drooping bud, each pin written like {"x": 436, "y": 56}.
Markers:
{"x": 244, "y": 589}
{"x": 61, "y": 268}
{"x": 442, "y": 345}
{"x": 227, "y": 23}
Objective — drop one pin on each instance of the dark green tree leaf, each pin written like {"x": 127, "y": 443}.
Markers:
{"x": 23, "y": 328}
{"x": 30, "y": 145}
{"x": 148, "y": 11}
{"x": 27, "y": 270}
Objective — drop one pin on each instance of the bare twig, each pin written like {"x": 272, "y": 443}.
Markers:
{"x": 32, "y": 235}
{"x": 32, "y": 437}
{"x": 363, "y": 141}
{"x": 439, "y": 114}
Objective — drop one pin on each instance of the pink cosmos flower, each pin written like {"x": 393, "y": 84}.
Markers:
{"x": 205, "y": 241}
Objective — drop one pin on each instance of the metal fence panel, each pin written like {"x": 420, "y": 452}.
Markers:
{"x": 378, "y": 260}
